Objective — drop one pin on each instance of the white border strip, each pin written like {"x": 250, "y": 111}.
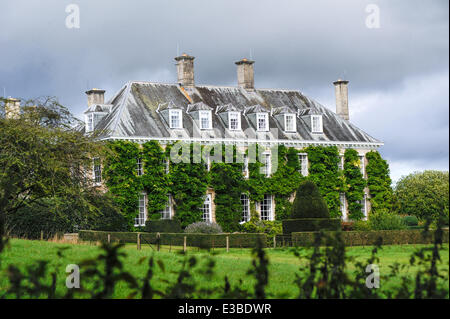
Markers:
{"x": 297, "y": 143}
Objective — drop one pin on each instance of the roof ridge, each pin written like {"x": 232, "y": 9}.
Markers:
{"x": 121, "y": 106}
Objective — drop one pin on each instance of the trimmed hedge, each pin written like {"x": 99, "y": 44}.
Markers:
{"x": 163, "y": 226}
{"x": 310, "y": 224}
{"x": 177, "y": 239}
{"x": 369, "y": 238}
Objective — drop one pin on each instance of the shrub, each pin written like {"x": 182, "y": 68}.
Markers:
{"x": 386, "y": 221}
{"x": 368, "y": 238}
{"x": 411, "y": 221}
{"x": 361, "y": 225}
{"x": 268, "y": 227}
{"x": 309, "y": 203}
{"x": 203, "y": 228}
{"x": 310, "y": 224}
{"x": 55, "y": 215}
{"x": 177, "y": 239}
{"x": 163, "y": 226}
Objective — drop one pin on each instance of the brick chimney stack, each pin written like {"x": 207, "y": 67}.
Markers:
{"x": 185, "y": 70}
{"x": 245, "y": 74}
{"x": 12, "y": 108}
{"x": 341, "y": 91}
{"x": 95, "y": 96}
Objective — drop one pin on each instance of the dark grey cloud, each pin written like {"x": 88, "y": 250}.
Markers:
{"x": 397, "y": 72}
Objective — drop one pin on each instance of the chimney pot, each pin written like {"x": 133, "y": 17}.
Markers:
{"x": 341, "y": 92}
{"x": 95, "y": 96}
{"x": 185, "y": 70}
{"x": 245, "y": 74}
{"x": 12, "y": 108}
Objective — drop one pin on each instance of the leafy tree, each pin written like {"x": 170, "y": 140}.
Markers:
{"x": 423, "y": 194}
{"x": 43, "y": 156}
{"x": 309, "y": 203}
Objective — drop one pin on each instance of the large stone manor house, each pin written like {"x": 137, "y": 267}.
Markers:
{"x": 240, "y": 115}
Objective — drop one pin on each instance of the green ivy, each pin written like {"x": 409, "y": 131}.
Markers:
{"x": 189, "y": 180}
{"x": 120, "y": 176}
{"x": 379, "y": 182}
{"x": 324, "y": 172}
{"x": 228, "y": 183}
{"x": 355, "y": 184}
{"x": 155, "y": 181}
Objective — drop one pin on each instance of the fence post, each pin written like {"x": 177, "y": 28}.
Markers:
{"x": 109, "y": 238}
{"x": 228, "y": 243}
{"x": 158, "y": 241}
{"x": 184, "y": 244}
{"x": 275, "y": 241}
{"x": 139, "y": 241}
{"x": 42, "y": 235}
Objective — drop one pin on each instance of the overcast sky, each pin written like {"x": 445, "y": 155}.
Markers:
{"x": 398, "y": 73}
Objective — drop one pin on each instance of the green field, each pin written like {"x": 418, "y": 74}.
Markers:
{"x": 282, "y": 264}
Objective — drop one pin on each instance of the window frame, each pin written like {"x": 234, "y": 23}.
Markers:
{"x": 343, "y": 206}
{"x": 304, "y": 167}
{"x": 362, "y": 164}
{"x": 89, "y": 122}
{"x": 167, "y": 209}
{"x": 201, "y": 114}
{"x": 267, "y": 168}
{"x": 207, "y": 201}
{"x": 341, "y": 162}
{"x": 97, "y": 170}
{"x": 179, "y": 113}
{"x": 364, "y": 207}
{"x": 238, "y": 121}
{"x": 294, "y": 122}
{"x": 140, "y": 221}
{"x": 245, "y": 202}
{"x": 263, "y": 203}
{"x": 320, "y": 124}
{"x": 139, "y": 166}
{"x": 266, "y": 121}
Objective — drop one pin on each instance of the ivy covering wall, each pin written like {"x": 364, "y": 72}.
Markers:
{"x": 354, "y": 184}
{"x": 324, "y": 171}
{"x": 188, "y": 180}
{"x": 379, "y": 182}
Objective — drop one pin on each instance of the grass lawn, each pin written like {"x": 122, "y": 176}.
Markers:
{"x": 234, "y": 264}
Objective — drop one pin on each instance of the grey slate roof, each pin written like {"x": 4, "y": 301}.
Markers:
{"x": 135, "y": 114}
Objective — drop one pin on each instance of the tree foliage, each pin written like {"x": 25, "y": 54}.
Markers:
{"x": 42, "y": 156}
{"x": 423, "y": 194}
{"x": 309, "y": 203}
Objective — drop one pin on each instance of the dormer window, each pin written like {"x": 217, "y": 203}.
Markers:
{"x": 234, "y": 121}
{"x": 316, "y": 124}
{"x": 175, "y": 119}
{"x": 205, "y": 120}
{"x": 262, "y": 120}
{"x": 90, "y": 122}
{"x": 290, "y": 123}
